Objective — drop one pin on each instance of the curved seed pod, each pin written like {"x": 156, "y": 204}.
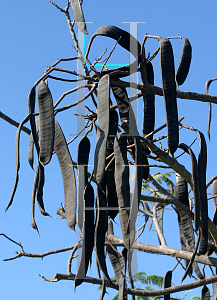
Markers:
{"x": 167, "y": 283}
{"x": 149, "y": 105}
{"x": 195, "y": 182}
{"x": 171, "y": 186}
{"x": 41, "y": 180}
{"x": 134, "y": 206}
{"x": 82, "y": 161}
{"x": 169, "y": 91}
{"x": 31, "y": 143}
{"x": 189, "y": 267}
{"x": 214, "y": 288}
{"x": 145, "y": 169}
{"x": 88, "y": 235}
{"x": 122, "y": 100}
{"x": 214, "y": 193}
{"x": 205, "y": 294}
{"x": 47, "y": 127}
{"x": 102, "y": 130}
{"x": 68, "y": 175}
{"x": 184, "y": 64}
{"x": 202, "y": 162}
{"x": 103, "y": 288}
{"x": 17, "y": 150}
{"x": 100, "y": 231}
{"x": 111, "y": 194}
{"x": 127, "y": 41}
{"x": 197, "y": 270}
{"x": 78, "y": 15}
{"x": 35, "y": 185}
{"x": 181, "y": 192}
{"x": 129, "y": 263}
{"x": 210, "y": 105}
{"x": 31, "y": 107}
{"x": 122, "y": 183}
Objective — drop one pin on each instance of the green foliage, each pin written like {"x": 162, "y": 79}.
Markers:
{"x": 162, "y": 177}
{"x": 195, "y": 298}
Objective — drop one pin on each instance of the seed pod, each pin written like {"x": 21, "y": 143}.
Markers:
{"x": 184, "y": 64}
{"x": 39, "y": 191}
{"x": 214, "y": 193}
{"x": 88, "y": 235}
{"x": 169, "y": 91}
{"x": 111, "y": 194}
{"x": 78, "y": 15}
{"x": 202, "y": 162}
{"x": 205, "y": 294}
{"x": 82, "y": 161}
{"x": 122, "y": 100}
{"x": 214, "y": 287}
{"x": 100, "y": 231}
{"x": 103, "y": 288}
{"x": 127, "y": 41}
{"x": 122, "y": 183}
{"x": 134, "y": 206}
{"x": 149, "y": 105}
{"x": 209, "y": 104}
{"x": 17, "y": 150}
{"x": 195, "y": 183}
{"x": 31, "y": 143}
{"x": 67, "y": 170}
{"x": 47, "y": 127}
{"x": 167, "y": 283}
{"x": 102, "y": 130}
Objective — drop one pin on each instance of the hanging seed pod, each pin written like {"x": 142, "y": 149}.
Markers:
{"x": 205, "y": 294}
{"x": 47, "y": 127}
{"x": 68, "y": 175}
{"x": 88, "y": 235}
{"x": 100, "y": 231}
{"x": 82, "y": 161}
{"x": 167, "y": 283}
{"x": 102, "y": 130}
{"x": 78, "y": 15}
{"x": 169, "y": 91}
{"x": 149, "y": 104}
{"x": 122, "y": 183}
{"x": 184, "y": 64}
{"x": 111, "y": 194}
{"x": 17, "y": 149}
{"x": 210, "y": 105}
{"x": 122, "y": 100}
{"x": 39, "y": 191}
{"x": 214, "y": 193}
{"x": 31, "y": 143}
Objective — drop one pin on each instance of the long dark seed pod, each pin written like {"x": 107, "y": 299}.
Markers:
{"x": 193, "y": 256}
{"x": 169, "y": 91}
{"x": 39, "y": 191}
{"x": 149, "y": 105}
{"x": 184, "y": 64}
{"x": 82, "y": 161}
{"x": 167, "y": 283}
{"x": 122, "y": 183}
{"x": 35, "y": 184}
{"x": 202, "y": 162}
{"x": 210, "y": 105}
{"x": 214, "y": 288}
{"x": 205, "y": 294}
{"x": 17, "y": 149}
{"x": 68, "y": 175}
{"x": 47, "y": 127}
{"x": 195, "y": 182}
{"x": 100, "y": 230}
{"x": 88, "y": 235}
{"x": 78, "y": 15}
{"x": 102, "y": 130}
{"x": 134, "y": 206}
{"x": 214, "y": 193}
{"x": 31, "y": 143}
{"x": 111, "y": 193}
{"x": 127, "y": 41}
{"x": 122, "y": 100}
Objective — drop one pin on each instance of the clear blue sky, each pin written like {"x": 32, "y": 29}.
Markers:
{"x": 33, "y": 35}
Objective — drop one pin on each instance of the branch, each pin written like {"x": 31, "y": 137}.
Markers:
{"x": 12, "y": 122}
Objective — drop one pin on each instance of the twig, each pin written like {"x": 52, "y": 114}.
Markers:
{"x": 110, "y": 54}
{"x": 159, "y": 232}
{"x": 12, "y": 122}
{"x": 71, "y": 256}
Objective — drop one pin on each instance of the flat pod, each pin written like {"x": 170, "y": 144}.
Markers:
{"x": 167, "y": 283}
{"x": 149, "y": 105}
{"x": 169, "y": 91}
{"x": 100, "y": 231}
{"x": 122, "y": 100}
{"x": 111, "y": 194}
{"x": 39, "y": 191}
{"x": 88, "y": 235}
{"x": 184, "y": 64}
{"x": 31, "y": 143}
{"x": 82, "y": 161}
{"x": 127, "y": 41}
{"x": 78, "y": 15}
{"x": 67, "y": 170}
{"x": 122, "y": 183}
{"x": 47, "y": 127}
{"x": 103, "y": 109}
{"x": 205, "y": 294}
{"x": 210, "y": 105}
{"x": 214, "y": 193}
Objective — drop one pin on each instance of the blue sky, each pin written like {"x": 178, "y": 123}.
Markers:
{"x": 33, "y": 36}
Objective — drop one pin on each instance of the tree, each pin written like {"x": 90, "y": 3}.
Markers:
{"x": 190, "y": 124}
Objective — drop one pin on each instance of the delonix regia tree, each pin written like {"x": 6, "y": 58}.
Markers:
{"x": 104, "y": 196}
